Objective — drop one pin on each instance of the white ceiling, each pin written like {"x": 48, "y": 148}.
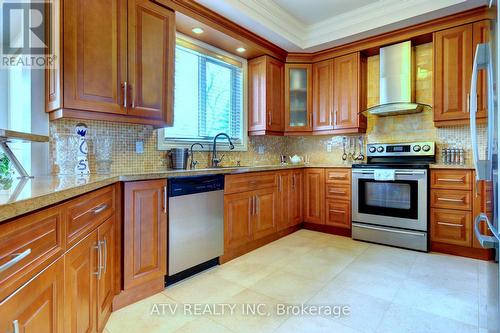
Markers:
{"x": 314, "y": 11}
{"x": 313, "y": 25}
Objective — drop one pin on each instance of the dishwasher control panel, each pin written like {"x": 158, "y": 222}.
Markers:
{"x": 197, "y": 184}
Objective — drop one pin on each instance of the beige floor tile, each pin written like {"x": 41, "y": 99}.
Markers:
{"x": 433, "y": 264}
{"x": 203, "y": 288}
{"x": 380, "y": 285}
{"x": 243, "y": 320}
{"x": 365, "y": 311}
{"x": 453, "y": 304}
{"x": 243, "y": 272}
{"x": 313, "y": 325}
{"x": 313, "y": 267}
{"x": 139, "y": 317}
{"x": 410, "y": 320}
{"x": 203, "y": 325}
{"x": 287, "y": 287}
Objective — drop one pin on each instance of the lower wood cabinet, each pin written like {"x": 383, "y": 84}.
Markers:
{"x": 338, "y": 213}
{"x": 144, "y": 232}
{"x": 290, "y": 187}
{"x": 451, "y": 226}
{"x": 249, "y": 216}
{"x": 314, "y": 195}
{"x": 37, "y": 306}
{"x": 89, "y": 274}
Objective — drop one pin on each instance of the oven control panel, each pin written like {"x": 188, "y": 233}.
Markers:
{"x": 401, "y": 149}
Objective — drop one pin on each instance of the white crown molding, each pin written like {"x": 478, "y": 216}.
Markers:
{"x": 272, "y": 22}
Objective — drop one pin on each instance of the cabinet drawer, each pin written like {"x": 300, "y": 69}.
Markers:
{"x": 338, "y": 192}
{"x": 451, "y": 199}
{"x": 249, "y": 182}
{"x": 28, "y": 245}
{"x": 451, "y": 226}
{"x": 338, "y": 214}
{"x": 87, "y": 212}
{"x": 451, "y": 179}
{"x": 338, "y": 176}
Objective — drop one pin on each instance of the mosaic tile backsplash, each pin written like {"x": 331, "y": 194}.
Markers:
{"x": 266, "y": 150}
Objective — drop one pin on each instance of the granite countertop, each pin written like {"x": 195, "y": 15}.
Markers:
{"x": 25, "y": 196}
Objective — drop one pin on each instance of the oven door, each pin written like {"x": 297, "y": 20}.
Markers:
{"x": 401, "y": 203}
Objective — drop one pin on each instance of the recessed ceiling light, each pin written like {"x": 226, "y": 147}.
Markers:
{"x": 241, "y": 49}
{"x": 197, "y": 30}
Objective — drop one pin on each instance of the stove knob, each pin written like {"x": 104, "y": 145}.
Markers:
{"x": 380, "y": 149}
{"x": 416, "y": 148}
{"x": 426, "y": 147}
{"x": 372, "y": 149}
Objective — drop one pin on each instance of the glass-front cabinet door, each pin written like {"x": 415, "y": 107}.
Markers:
{"x": 298, "y": 98}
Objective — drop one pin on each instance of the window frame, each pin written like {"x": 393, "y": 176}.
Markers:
{"x": 167, "y": 144}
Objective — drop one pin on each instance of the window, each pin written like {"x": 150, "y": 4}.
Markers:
{"x": 208, "y": 97}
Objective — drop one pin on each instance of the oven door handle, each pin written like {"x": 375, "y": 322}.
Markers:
{"x": 402, "y": 173}
{"x": 391, "y": 230}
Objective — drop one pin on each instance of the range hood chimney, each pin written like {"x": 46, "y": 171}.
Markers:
{"x": 396, "y": 82}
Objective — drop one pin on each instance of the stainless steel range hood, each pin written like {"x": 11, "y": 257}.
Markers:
{"x": 396, "y": 82}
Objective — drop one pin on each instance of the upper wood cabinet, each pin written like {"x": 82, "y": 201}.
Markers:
{"x": 144, "y": 232}
{"x": 117, "y": 62}
{"x": 349, "y": 88}
{"x": 323, "y": 117}
{"x": 298, "y": 98}
{"x": 454, "y": 51}
{"x": 266, "y": 96}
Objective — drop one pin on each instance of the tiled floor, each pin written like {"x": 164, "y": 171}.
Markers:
{"x": 386, "y": 290}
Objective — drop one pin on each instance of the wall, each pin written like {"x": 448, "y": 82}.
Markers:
{"x": 404, "y": 128}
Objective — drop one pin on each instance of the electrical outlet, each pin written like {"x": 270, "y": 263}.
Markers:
{"x": 329, "y": 148}
{"x": 139, "y": 147}
{"x": 261, "y": 150}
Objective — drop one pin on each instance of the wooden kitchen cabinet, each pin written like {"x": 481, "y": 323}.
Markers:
{"x": 115, "y": 69}
{"x": 89, "y": 281}
{"x": 323, "y": 117}
{"x": 238, "y": 216}
{"x": 151, "y": 49}
{"x": 297, "y": 197}
{"x": 349, "y": 93}
{"x": 37, "y": 306}
{"x": 265, "y": 212}
{"x": 285, "y": 199}
{"x": 451, "y": 227}
{"x": 81, "y": 275}
{"x": 338, "y": 213}
{"x": 298, "y": 98}
{"x": 266, "y": 96}
{"x": 144, "y": 232}
{"x": 314, "y": 195}
{"x": 454, "y": 51}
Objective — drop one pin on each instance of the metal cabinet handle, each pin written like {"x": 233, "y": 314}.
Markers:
{"x": 335, "y": 117}
{"x": 15, "y": 325}
{"x": 468, "y": 103}
{"x": 125, "y": 93}
{"x": 337, "y": 192}
{"x": 105, "y": 260}
{"x": 257, "y": 204}
{"x": 450, "y": 200}
{"x": 451, "y": 224}
{"x": 99, "y": 260}
{"x": 165, "y": 199}
{"x": 293, "y": 182}
{"x": 336, "y": 211}
{"x": 99, "y": 209}
{"x": 17, "y": 258}
{"x": 451, "y": 180}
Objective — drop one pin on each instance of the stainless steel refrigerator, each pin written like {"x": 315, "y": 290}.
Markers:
{"x": 486, "y": 162}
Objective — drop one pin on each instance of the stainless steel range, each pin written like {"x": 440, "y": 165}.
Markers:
{"x": 390, "y": 195}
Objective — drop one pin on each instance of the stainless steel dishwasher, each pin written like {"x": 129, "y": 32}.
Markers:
{"x": 196, "y": 224}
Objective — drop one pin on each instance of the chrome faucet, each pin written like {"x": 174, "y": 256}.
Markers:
{"x": 216, "y": 161}
{"x": 193, "y": 163}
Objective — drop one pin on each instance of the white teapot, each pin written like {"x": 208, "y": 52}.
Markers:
{"x": 296, "y": 159}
